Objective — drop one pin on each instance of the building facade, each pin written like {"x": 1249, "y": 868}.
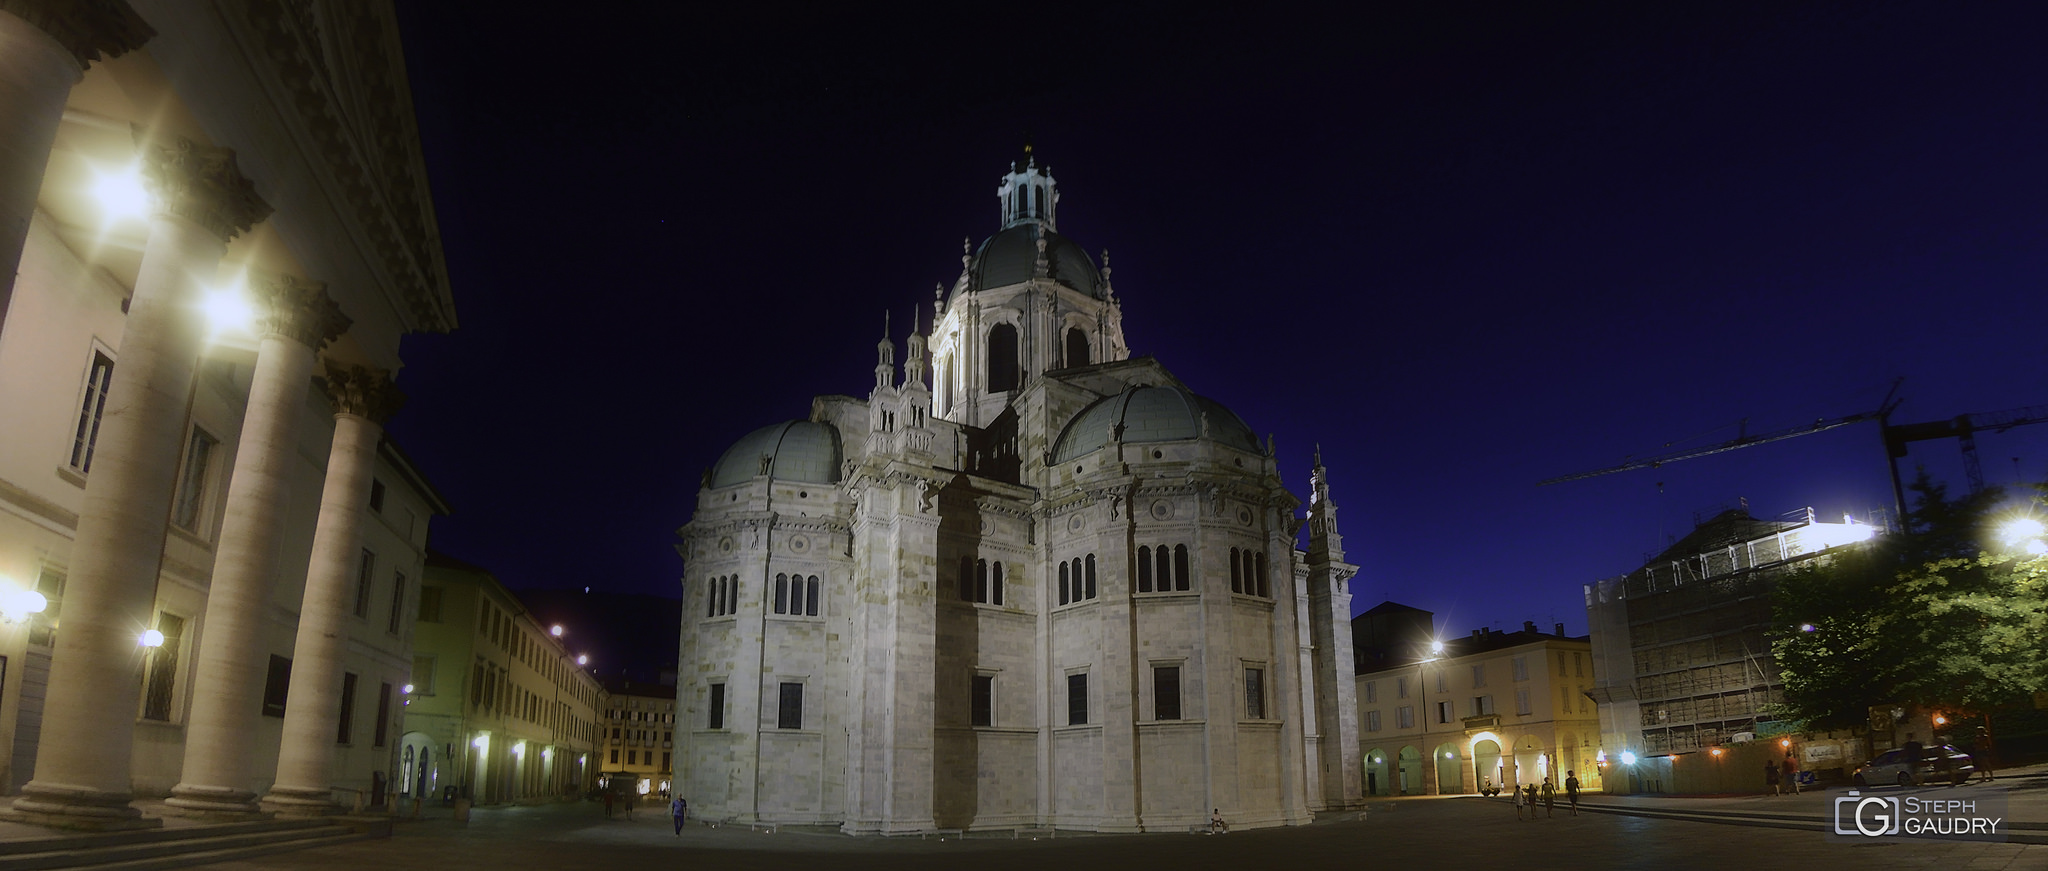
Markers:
{"x": 639, "y": 741}
{"x": 1683, "y": 641}
{"x": 500, "y": 710}
{"x": 1028, "y": 580}
{"x": 208, "y": 552}
{"x": 1455, "y": 716}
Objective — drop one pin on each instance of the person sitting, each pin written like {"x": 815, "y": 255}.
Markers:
{"x": 1216, "y": 823}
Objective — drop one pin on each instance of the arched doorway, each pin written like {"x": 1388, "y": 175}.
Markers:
{"x": 1530, "y": 763}
{"x": 1377, "y": 781}
{"x": 1450, "y": 770}
{"x": 1486, "y": 763}
{"x": 419, "y": 773}
{"x": 1409, "y": 777}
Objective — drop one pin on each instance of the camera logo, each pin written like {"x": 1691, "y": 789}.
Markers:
{"x": 1868, "y": 815}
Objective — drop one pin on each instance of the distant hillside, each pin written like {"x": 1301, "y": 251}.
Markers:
{"x": 629, "y": 636}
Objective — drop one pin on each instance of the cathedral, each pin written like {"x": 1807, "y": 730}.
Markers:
{"x": 1030, "y": 580}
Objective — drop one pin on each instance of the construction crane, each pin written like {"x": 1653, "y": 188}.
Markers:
{"x": 1963, "y": 428}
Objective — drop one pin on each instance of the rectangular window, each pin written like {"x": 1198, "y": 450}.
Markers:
{"x": 1522, "y": 701}
{"x": 1254, "y": 693}
{"x": 93, "y": 406}
{"x": 423, "y": 675}
{"x": 363, "y": 578}
{"x": 789, "y": 712}
{"x": 1443, "y": 681}
{"x": 397, "y": 601}
{"x": 383, "y": 714}
{"x": 1560, "y": 665}
{"x": 668, "y": 760}
{"x": 615, "y": 755}
{"x": 1482, "y": 705}
{"x": 430, "y": 605}
{"x": 191, "y": 499}
{"x": 163, "y": 669}
{"x": 1372, "y": 691}
{"x": 376, "y": 495}
{"x": 276, "y": 685}
{"x": 1077, "y": 699}
{"x": 1372, "y": 721}
{"x": 1166, "y": 692}
{"x": 1521, "y": 664}
{"x": 1401, "y": 687}
{"x": 1445, "y": 711}
{"x": 1404, "y": 718}
{"x": 346, "y": 731}
{"x": 981, "y": 701}
{"x": 1578, "y": 666}
{"x": 1478, "y": 676}
{"x": 717, "y": 707}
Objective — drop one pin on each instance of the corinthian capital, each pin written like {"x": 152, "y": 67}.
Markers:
{"x": 201, "y": 183}
{"x": 363, "y": 392}
{"x": 90, "y": 29}
{"x": 299, "y": 309}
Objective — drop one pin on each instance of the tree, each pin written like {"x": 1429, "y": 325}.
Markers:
{"x": 1927, "y": 617}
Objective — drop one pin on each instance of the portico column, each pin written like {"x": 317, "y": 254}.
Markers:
{"x": 298, "y": 317}
{"x": 82, "y": 762}
{"x": 44, "y": 48}
{"x": 363, "y": 400}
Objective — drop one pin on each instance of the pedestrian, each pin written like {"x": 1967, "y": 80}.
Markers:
{"x": 1518, "y": 801}
{"x": 679, "y": 809}
{"x": 608, "y": 800}
{"x": 1530, "y": 792}
{"x": 1571, "y": 790}
{"x": 1549, "y": 798}
{"x": 1771, "y": 776}
{"x": 1216, "y": 824}
{"x": 1981, "y": 754}
{"x": 1791, "y": 773}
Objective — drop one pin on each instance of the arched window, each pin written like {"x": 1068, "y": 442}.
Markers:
{"x": 1144, "y": 570}
{"x": 966, "y": 578}
{"x": 811, "y": 596}
{"x": 1002, "y": 357}
{"x": 781, "y": 594}
{"x": 1180, "y": 567}
{"x": 1164, "y": 560}
{"x": 1091, "y": 576}
{"x": 995, "y": 587}
{"x": 1077, "y": 347}
{"x": 405, "y": 785}
{"x": 1236, "y": 573}
{"x": 1063, "y": 583}
{"x": 980, "y": 581}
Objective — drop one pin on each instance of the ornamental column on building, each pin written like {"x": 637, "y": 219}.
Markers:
{"x": 45, "y": 46}
{"x": 363, "y": 400}
{"x": 82, "y": 770}
{"x": 298, "y": 317}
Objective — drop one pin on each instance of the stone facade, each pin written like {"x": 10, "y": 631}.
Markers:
{"x": 1029, "y": 580}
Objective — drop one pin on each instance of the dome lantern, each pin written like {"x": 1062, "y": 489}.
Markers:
{"x": 1028, "y": 194}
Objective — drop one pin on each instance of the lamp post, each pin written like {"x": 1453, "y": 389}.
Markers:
{"x": 1436, "y": 651}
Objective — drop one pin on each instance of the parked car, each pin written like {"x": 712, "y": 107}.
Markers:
{"x": 1938, "y": 763}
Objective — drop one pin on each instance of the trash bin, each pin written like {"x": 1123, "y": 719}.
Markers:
{"x": 462, "y": 811}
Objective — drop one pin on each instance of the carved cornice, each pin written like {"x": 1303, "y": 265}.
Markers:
{"x": 299, "y": 309}
{"x": 90, "y": 29}
{"x": 201, "y": 184}
{"x": 363, "y": 392}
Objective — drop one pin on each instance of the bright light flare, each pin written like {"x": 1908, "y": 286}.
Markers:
{"x": 555, "y": 630}
{"x": 582, "y": 659}
{"x": 407, "y": 689}
{"x": 480, "y": 742}
{"x": 152, "y": 638}
{"x": 120, "y": 195}
{"x": 21, "y": 603}
{"x": 229, "y": 310}
{"x": 1628, "y": 758}
{"x": 2021, "y": 529}
{"x": 1806, "y": 627}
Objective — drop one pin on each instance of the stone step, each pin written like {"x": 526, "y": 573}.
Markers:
{"x": 189, "y": 857}
{"x": 167, "y": 848}
{"x": 92, "y": 840}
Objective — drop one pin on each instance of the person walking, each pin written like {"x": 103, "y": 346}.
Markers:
{"x": 1549, "y": 798}
{"x": 1771, "y": 775}
{"x": 1981, "y": 754}
{"x": 1791, "y": 773}
{"x": 1518, "y": 801}
{"x": 608, "y": 801}
{"x": 1531, "y": 793}
{"x": 679, "y": 809}
{"x": 1571, "y": 790}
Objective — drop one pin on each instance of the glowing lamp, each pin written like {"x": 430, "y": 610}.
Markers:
{"x": 1450, "y": 755}
{"x": 1940, "y": 720}
{"x": 1436, "y": 648}
{"x": 480, "y": 742}
{"x": 1628, "y": 758}
{"x": 228, "y": 309}
{"x": 582, "y": 659}
{"x": 2037, "y": 547}
{"x": 519, "y": 748}
{"x": 152, "y": 638}
{"x": 2020, "y": 528}
{"x": 1785, "y": 743}
{"x": 555, "y": 630}
{"x": 406, "y": 689}
{"x": 120, "y": 194}
{"x": 1717, "y": 751}
{"x": 1806, "y": 627}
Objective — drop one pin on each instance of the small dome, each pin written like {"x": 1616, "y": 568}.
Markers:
{"x": 1008, "y": 257}
{"x": 799, "y": 450}
{"x": 1152, "y": 414}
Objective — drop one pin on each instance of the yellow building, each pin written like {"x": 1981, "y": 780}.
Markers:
{"x": 1449, "y": 716}
{"x": 501, "y": 710}
{"x": 639, "y": 736}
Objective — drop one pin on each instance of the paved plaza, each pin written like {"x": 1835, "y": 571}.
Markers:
{"x": 1436, "y": 831}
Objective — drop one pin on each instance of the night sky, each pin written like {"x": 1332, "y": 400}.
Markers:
{"x": 1465, "y": 249}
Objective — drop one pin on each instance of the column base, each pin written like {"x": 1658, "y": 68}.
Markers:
{"x": 62, "y": 806}
{"x": 288, "y": 801}
{"x": 214, "y": 803}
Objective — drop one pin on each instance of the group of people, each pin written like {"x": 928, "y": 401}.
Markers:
{"x": 678, "y": 808}
{"x": 1782, "y": 779}
{"x": 1529, "y": 794}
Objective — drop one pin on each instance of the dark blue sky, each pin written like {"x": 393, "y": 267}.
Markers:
{"x": 1465, "y": 249}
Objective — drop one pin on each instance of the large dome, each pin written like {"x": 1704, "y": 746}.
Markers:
{"x": 799, "y": 450}
{"x": 1152, "y": 414}
{"x": 1008, "y": 257}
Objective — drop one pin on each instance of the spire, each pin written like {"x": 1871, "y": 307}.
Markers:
{"x": 1028, "y": 193}
{"x": 885, "y": 357}
{"x": 913, "y": 358}
{"x": 1322, "y": 516}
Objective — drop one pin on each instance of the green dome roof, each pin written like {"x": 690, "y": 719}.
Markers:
{"x": 1008, "y": 257}
{"x": 1152, "y": 414}
{"x": 799, "y": 450}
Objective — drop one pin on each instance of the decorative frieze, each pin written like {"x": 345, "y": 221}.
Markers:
{"x": 90, "y": 29}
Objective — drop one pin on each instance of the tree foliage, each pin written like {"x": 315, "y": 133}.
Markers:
{"x": 1930, "y": 617}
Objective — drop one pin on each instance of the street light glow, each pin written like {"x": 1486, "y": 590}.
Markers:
{"x": 555, "y": 630}
{"x": 120, "y": 194}
{"x": 1806, "y": 627}
{"x": 582, "y": 659}
{"x": 1436, "y": 647}
{"x": 229, "y": 309}
{"x": 1628, "y": 758}
{"x": 407, "y": 689}
{"x": 152, "y": 638}
{"x": 2020, "y": 529}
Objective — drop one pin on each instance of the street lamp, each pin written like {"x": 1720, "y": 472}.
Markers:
{"x": 555, "y": 630}
{"x": 2025, "y": 533}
